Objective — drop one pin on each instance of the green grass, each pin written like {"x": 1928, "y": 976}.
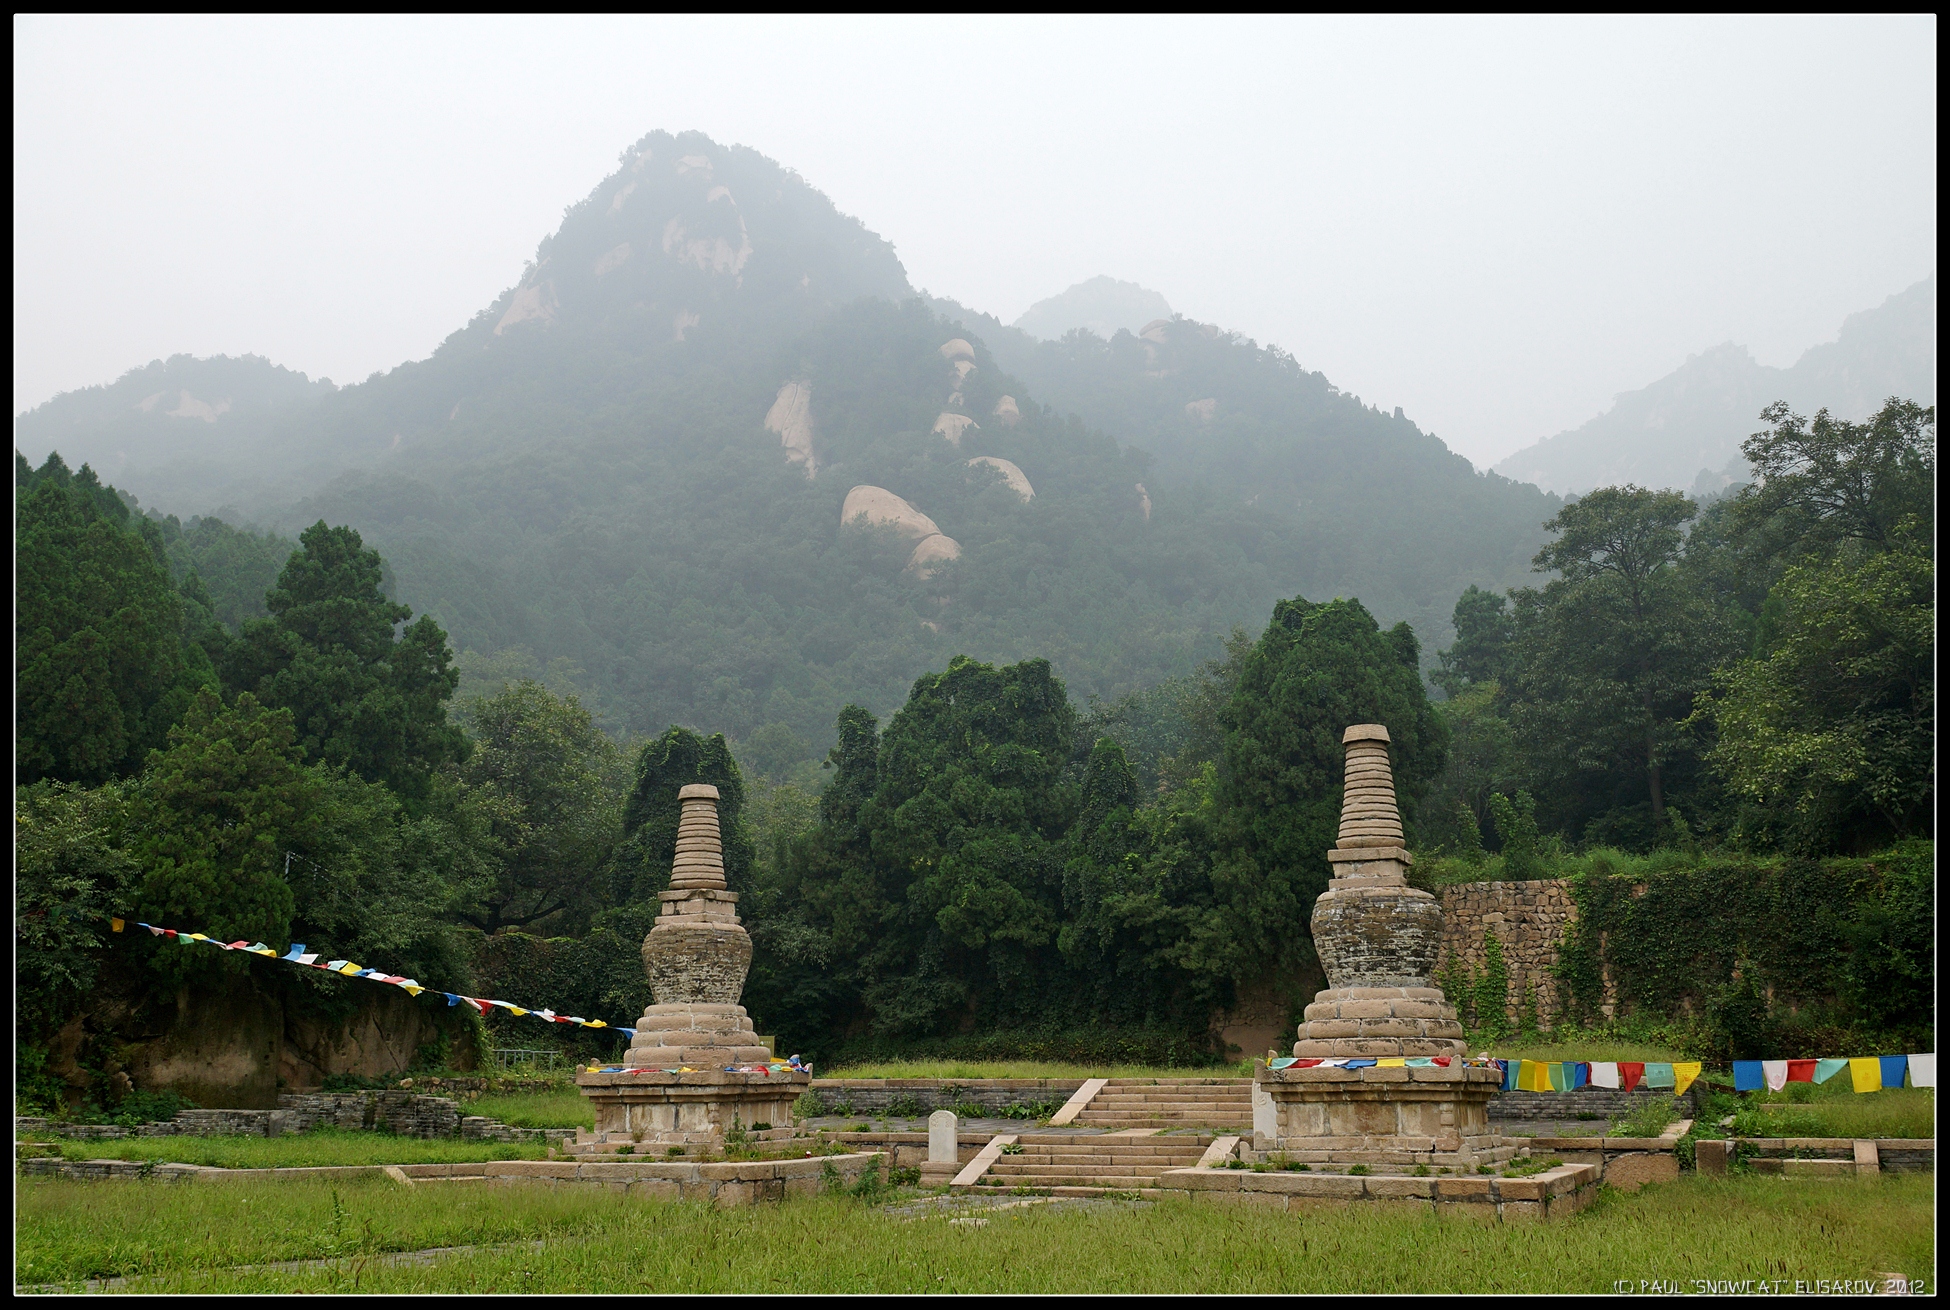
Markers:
{"x": 322, "y": 1146}
{"x": 562, "y": 1107}
{"x": 1835, "y": 1110}
{"x": 953, "y": 1070}
{"x": 1732, "y": 1228}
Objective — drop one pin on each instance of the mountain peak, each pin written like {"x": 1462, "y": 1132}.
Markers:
{"x": 687, "y": 229}
{"x": 1685, "y": 429}
{"x": 1102, "y": 305}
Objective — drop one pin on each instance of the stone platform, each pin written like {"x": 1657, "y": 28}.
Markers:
{"x": 1386, "y": 1118}
{"x": 660, "y": 1110}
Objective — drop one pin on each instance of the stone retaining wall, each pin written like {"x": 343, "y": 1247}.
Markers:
{"x": 403, "y": 1113}
{"x": 1529, "y": 920}
{"x": 873, "y": 1097}
{"x": 1600, "y": 1102}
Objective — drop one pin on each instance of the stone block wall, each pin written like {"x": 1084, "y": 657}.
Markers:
{"x": 1529, "y": 919}
{"x": 1605, "y": 1102}
{"x": 874, "y": 1097}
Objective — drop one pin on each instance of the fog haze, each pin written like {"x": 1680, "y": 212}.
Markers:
{"x": 1497, "y": 225}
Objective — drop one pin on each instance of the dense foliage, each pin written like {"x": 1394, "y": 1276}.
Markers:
{"x": 1758, "y": 672}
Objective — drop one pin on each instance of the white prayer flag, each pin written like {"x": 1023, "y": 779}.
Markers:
{"x": 1775, "y": 1072}
{"x": 1922, "y": 1070}
{"x": 1604, "y": 1073}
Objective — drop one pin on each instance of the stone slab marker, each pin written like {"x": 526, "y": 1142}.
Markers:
{"x": 943, "y": 1130}
{"x": 944, "y": 1149}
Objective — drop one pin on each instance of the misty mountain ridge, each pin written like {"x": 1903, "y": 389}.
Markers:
{"x": 1102, "y": 306}
{"x": 636, "y": 460}
{"x": 1685, "y": 429}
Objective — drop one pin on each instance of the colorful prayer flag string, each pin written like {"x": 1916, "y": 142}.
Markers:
{"x": 297, "y": 954}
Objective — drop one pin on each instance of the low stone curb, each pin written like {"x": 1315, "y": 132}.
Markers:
{"x": 726, "y": 1185}
{"x": 1819, "y": 1157}
{"x": 1627, "y": 1163}
{"x": 1550, "y": 1194}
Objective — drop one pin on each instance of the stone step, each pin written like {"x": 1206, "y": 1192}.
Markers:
{"x": 1105, "y": 1153}
{"x": 1180, "y": 1082}
{"x": 1166, "y": 1118}
{"x": 1089, "y": 1162}
{"x": 1071, "y": 1173}
{"x": 1123, "y": 1182}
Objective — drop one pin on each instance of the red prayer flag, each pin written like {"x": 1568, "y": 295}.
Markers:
{"x": 1303, "y": 1064}
{"x": 1629, "y": 1074}
{"x": 1801, "y": 1071}
{"x": 1442, "y": 1060}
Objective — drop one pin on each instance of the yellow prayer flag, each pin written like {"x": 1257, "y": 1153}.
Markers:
{"x": 411, "y": 989}
{"x": 1532, "y": 1077}
{"x": 1391, "y": 1064}
{"x": 594, "y": 1023}
{"x": 115, "y": 925}
{"x": 1683, "y": 1076}
{"x": 1866, "y": 1073}
{"x": 516, "y": 1009}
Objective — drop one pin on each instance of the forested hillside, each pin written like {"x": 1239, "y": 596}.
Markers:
{"x": 1712, "y": 700}
{"x": 632, "y": 467}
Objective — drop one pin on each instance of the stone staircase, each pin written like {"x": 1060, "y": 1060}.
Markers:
{"x": 1089, "y": 1164}
{"x": 1219, "y": 1103}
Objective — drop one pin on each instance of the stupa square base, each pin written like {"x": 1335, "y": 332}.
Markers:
{"x": 659, "y": 1109}
{"x": 1394, "y": 1117}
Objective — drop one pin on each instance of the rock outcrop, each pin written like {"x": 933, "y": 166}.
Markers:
{"x": 533, "y": 302}
{"x": 790, "y": 417}
{"x": 1007, "y": 413}
{"x": 1011, "y": 474}
{"x": 1144, "y": 501}
{"x": 882, "y": 508}
{"x": 952, "y": 426}
{"x": 932, "y": 553}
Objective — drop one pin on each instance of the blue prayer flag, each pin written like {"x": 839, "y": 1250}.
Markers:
{"x": 1748, "y": 1076}
{"x": 1893, "y": 1069}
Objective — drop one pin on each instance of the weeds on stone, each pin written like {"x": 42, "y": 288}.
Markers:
{"x": 1360, "y": 1170}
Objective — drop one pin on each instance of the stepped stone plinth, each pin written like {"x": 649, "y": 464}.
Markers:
{"x": 694, "y": 1038}
{"x": 1377, "y": 939}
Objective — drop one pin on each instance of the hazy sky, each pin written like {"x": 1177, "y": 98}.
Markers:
{"x": 1496, "y": 224}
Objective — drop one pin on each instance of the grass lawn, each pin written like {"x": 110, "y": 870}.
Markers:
{"x": 972, "y": 1069}
{"x": 562, "y": 1107}
{"x": 1835, "y": 1110}
{"x": 1698, "y": 1228}
{"x": 321, "y": 1146}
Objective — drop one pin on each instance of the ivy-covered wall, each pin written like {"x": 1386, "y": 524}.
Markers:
{"x": 1770, "y": 952}
{"x": 1529, "y": 920}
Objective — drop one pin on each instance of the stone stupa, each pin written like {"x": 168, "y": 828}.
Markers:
{"x": 692, "y": 1071}
{"x": 1377, "y": 939}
